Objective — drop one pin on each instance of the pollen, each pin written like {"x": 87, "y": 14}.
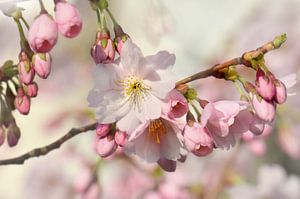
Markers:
{"x": 134, "y": 89}
{"x": 157, "y": 130}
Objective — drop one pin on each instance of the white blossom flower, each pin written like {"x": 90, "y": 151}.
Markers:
{"x": 130, "y": 90}
{"x": 9, "y": 7}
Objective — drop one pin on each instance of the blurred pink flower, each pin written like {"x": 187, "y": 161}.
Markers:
{"x": 68, "y": 19}
{"x": 43, "y": 33}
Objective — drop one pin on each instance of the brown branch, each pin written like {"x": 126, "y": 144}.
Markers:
{"x": 46, "y": 149}
{"x": 243, "y": 60}
{"x": 213, "y": 71}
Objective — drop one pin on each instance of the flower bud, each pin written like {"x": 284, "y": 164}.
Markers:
{"x": 177, "y": 105}
{"x": 103, "y": 51}
{"x": 103, "y": 129}
{"x": 2, "y": 135}
{"x": 42, "y": 64}
{"x": 25, "y": 68}
{"x": 105, "y": 146}
{"x": 22, "y": 102}
{"x": 281, "y": 93}
{"x": 120, "y": 38}
{"x": 265, "y": 85}
{"x": 13, "y": 135}
{"x": 68, "y": 19}
{"x": 31, "y": 90}
{"x": 263, "y": 109}
{"x": 43, "y": 33}
{"x": 197, "y": 140}
{"x": 120, "y": 138}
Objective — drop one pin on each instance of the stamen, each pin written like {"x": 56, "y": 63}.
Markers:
{"x": 156, "y": 130}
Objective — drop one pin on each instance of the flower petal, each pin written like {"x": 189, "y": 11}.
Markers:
{"x": 129, "y": 122}
{"x": 131, "y": 56}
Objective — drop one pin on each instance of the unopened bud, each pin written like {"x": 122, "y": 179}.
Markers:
{"x": 42, "y": 64}
{"x": 13, "y": 135}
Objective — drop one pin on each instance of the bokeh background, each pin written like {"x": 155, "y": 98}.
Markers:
{"x": 201, "y": 33}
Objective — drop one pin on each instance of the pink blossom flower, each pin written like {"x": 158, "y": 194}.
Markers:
{"x": 156, "y": 139}
{"x": 68, "y": 19}
{"x": 197, "y": 139}
{"x": 42, "y": 64}
{"x": 26, "y": 72}
{"x": 177, "y": 105}
{"x": 22, "y": 102}
{"x": 103, "y": 51}
{"x": 105, "y": 146}
{"x": 132, "y": 90}
{"x": 31, "y": 90}
{"x": 226, "y": 121}
{"x": 43, "y": 33}
{"x": 265, "y": 85}
{"x": 103, "y": 129}
{"x": 263, "y": 109}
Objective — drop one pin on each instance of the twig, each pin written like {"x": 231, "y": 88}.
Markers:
{"x": 243, "y": 60}
{"x": 46, "y": 149}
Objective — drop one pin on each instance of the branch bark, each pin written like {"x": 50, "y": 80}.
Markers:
{"x": 46, "y": 149}
{"x": 242, "y": 60}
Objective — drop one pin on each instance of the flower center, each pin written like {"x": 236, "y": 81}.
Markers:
{"x": 156, "y": 130}
{"x": 135, "y": 90}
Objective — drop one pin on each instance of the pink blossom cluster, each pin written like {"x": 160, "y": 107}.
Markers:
{"x": 136, "y": 95}
{"x": 42, "y": 37}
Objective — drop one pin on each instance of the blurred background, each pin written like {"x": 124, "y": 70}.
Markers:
{"x": 201, "y": 33}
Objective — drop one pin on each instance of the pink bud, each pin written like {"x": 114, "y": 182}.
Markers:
{"x": 281, "y": 93}
{"x": 257, "y": 125}
{"x": 197, "y": 140}
{"x": 22, "y": 102}
{"x": 26, "y": 72}
{"x": 177, "y": 104}
{"x": 43, "y": 33}
{"x": 68, "y": 19}
{"x": 105, "y": 146}
{"x": 42, "y": 64}
{"x": 31, "y": 90}
{"x": 2, "y": 135}
{"x": 103, "y": 129}
{"x": 103, "y": 51}
{"x": 265, "y": 85}
{"x": 120, "y": 138}
{"x": 120, "y": 38}
{"x": 13, "y": 135}
{"x": 263, "y": 109}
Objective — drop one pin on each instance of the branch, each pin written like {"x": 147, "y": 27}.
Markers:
{"x": 46, "y": 149}
{"x": 243, "y": 60}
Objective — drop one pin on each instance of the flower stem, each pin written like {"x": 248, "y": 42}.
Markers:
{"x": 112, "y": 17}
{"x": 98, "y": 18}
{"x": 25, "y": 22}
{"x": 23, "y": 41}
{"x": 43, "y": 10}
